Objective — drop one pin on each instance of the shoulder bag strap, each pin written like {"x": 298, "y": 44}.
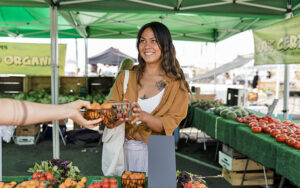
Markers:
{"x": 126, "y": 78}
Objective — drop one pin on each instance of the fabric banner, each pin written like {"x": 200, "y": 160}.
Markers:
{"x": 29, "y": 59}
{"x": 278, "y": 43}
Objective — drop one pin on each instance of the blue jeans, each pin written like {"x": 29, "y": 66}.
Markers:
{"x": 176, "y": 134}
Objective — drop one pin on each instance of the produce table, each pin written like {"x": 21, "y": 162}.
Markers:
{"x": 19, "y": 179}
{"x": 259, "y": 147}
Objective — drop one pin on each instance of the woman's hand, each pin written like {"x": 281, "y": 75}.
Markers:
{"x": 117, "y": 123}
{"x": 74, "y": 109}
{"x": 138, "y": 114}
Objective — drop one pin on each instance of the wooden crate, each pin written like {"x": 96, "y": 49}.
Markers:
{"x": 100, "y": 84}
{"x": 66, "y": 84}
{"x": 71, "y": 83}
{"x": 28, "y": 130}
{"x": 234, "y": 164}
{"x": 10, "y": 85}
{"x": 251, "y": 178}
{"x": 231, "y": 152}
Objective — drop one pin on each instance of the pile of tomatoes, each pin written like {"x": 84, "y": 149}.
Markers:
{"x": 194, "y": 185}
{"x": 106, "y": 183}
{"x": 285, "y": 132}
{"x": 47, "y": 176}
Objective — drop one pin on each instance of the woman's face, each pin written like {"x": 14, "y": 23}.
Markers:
{"x": 149, "y": 47}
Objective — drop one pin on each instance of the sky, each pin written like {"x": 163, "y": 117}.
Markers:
{"x": 199, "y": 54}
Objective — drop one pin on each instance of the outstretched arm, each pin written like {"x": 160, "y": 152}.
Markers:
{"x": 18, "y": 112}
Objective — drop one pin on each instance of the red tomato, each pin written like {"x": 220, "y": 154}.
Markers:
{"x": 253, "y": 124}
{"x": 105, "y": 180}
{"x": 275, "y": 132}
{"x": 297, "y": 145}
{"x": 267, "y": 129}
{"x": 113, "y": 186}
{"x": 263, "y": 121}
{"x": 112, "y": 181}
{"x": 276, "y": 121}
{"x": 271, "y": 125}
{"x": 256, "y": 129}
{"x": 287, "y": 122}
{"x": 238, "y": 119}
{"x": 91, "y": 186}
{"x": 290, "y": 141}
{"x": 262, "y": 124}
{"x": 105, "y": 185}
{"x": 36, "y": 175}
{"x": 281, "y": 137}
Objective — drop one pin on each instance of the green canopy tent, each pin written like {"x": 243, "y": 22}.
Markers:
{"x": 192, "y": 20}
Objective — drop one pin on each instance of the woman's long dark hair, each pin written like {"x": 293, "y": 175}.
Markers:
{"x": 168, "y": 59}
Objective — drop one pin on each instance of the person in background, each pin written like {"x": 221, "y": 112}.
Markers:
{"x": 255, "y": 80}
{"x": 269, "y": 74}
{"x": 158, "y": 90}
{"x": 18, "y": 112}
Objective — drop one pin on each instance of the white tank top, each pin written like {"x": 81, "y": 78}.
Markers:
{"x": 148, "y": 105}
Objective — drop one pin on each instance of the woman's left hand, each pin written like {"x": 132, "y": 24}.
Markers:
{"x": 138, "y": 114}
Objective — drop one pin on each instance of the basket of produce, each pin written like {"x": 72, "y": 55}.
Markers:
{"x": 105, "y": 111}
{"x": 109, "y": 112}
{"x": 133, "y": 179}
{"x": 105, "y": 182}
{"x": 122, "y": 110}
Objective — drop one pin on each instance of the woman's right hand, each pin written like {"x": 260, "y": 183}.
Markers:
{"x": 117, "y": 123}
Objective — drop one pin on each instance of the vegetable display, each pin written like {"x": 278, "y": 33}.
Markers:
{"x": 60, "y": 168}
{"x": 231, "y": 112}
{"x": 205, "y": 104}
{"x": 188, "y": 180}
{"x": 284, "y": 132}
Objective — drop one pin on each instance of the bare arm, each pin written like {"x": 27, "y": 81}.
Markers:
{"x": 17, "y": 112}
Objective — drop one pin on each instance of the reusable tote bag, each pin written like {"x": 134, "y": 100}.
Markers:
{"x": 113, "y": 163}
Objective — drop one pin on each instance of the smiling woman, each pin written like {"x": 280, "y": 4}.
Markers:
{"x": 158, "y": 90}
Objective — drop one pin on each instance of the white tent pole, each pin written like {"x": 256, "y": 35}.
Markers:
{"x": 277, "y": 85}
{"x": 76, "y": 45}
{"x": 286, "y": 91}
{"x": 86, "y": 56}
{"x": 54, "y": 76}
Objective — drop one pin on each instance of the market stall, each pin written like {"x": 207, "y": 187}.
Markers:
{"x": 260, "y": 147}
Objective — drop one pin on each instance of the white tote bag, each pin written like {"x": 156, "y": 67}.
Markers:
{"x": 113, "y": 163}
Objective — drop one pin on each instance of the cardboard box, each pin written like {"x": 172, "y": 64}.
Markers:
{"x": 233, "y": 164}
{"x": 251, "y": 178}
{"x": 28, "y": 130}
{"x": 232, "y": 152}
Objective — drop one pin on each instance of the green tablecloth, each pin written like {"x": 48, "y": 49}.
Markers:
{"x": 260, "y": 147}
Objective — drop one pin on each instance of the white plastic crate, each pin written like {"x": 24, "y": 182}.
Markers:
{"x": 24, "y": 140}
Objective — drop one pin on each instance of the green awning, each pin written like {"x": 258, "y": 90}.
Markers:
{"x": 191, "y": 20}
